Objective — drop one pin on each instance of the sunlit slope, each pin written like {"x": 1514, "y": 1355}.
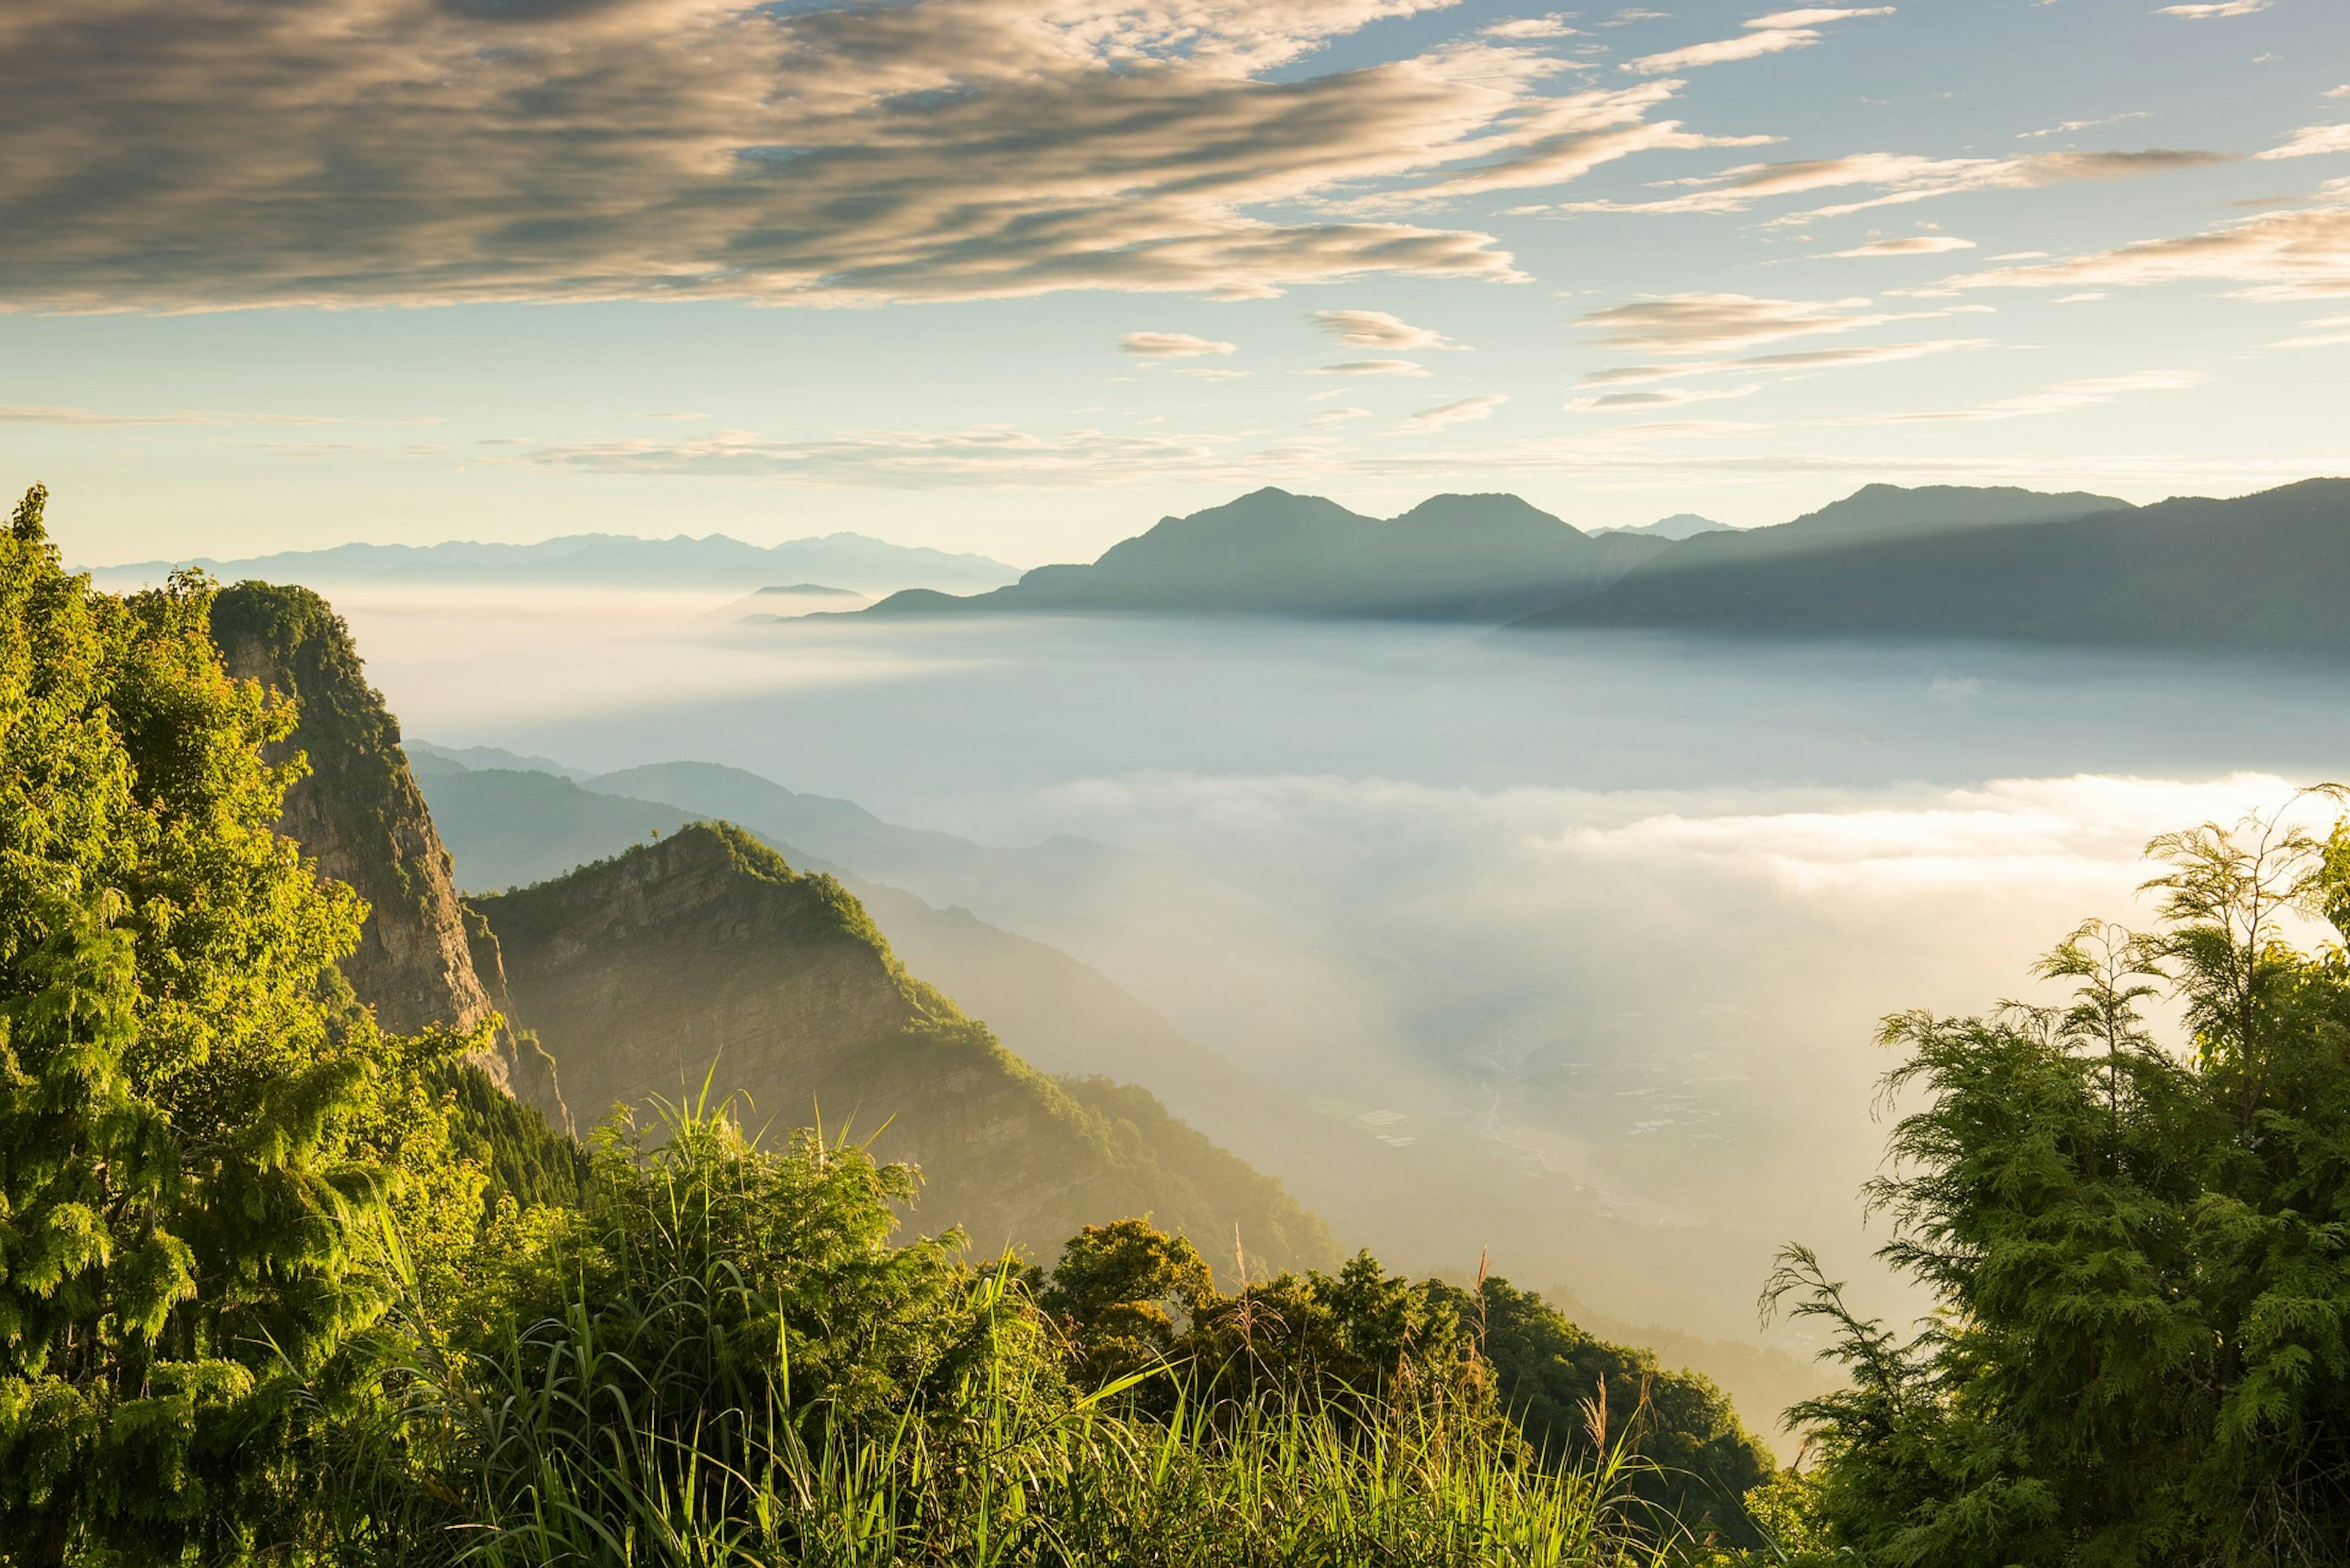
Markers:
{"x": 708, "y": 946}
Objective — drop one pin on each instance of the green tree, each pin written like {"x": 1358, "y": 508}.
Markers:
{"x": 196, "y": 1127}
{"x": 2141, "y": 1258}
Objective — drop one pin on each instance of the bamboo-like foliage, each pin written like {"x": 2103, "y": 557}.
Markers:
{"x": 688, "y": 1418}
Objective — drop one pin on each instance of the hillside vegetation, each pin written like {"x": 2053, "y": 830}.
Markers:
{"x": 708, "y": 947}
{"x": 253, "y": 1309}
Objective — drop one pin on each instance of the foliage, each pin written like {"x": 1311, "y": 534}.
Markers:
{"x": 524, "y": 1159}
{"x": 194, "y": 1124}
{"x": 278, "y": 1288}
{"x": 1130, "y": 1298}
{"x": 2137, "y": 1255}
{"x": 723, "y": 1361}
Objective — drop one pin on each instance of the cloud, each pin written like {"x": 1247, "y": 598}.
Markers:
{"x": 2311, "y": 141}
{"x": 2215, "y": 8}
{"x": 1558, "y": 140}
{"x": 2067, "y": 128}
{"x": 1903, "y": 178}
{"x": 1460, "y": 410}
{"x": 1554, "y": 25}
{"x": 1370, "y": 367}
{"x": 2326, "y": 332}
{"x": 94, "y": 418}
{"x": 1912, "y": 245}
{"x": 1377, "y": 330}
{"x": 2342, "y": 91}
{"x": 2063, "y": 398}
{"x": 1772, "y": 34}
{"x": 1797, "y": 362}
{"x": 198, "y": 154}
{"x": 2300, "y": 252}
{"x": 1658, "y": 397}
{"x": 976, "y": 457}
{"x": 1170, "y": 345}
{"x": 1328, "y": 416}
{"x": 1713, "y": 323}
{"x": 1209, "y": 373}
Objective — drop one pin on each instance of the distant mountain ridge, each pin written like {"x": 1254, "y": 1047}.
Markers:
{"x": 853, "y": 562}
{"x": 2263, "y": 572}
{"x": 1451, "y": 557}
{"x": 1679, "y": 526}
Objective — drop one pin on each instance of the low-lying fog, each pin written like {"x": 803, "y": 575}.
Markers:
{"x": 1585, "y": 935}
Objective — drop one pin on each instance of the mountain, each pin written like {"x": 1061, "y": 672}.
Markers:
{"x": 426, "y": 761}
{"x": 2263, "y": 571}
{"x": 708, "y": 946}
{"x": 508, "y": 828}
{"x": 359, "y": 812}
{"x": 786, "y": 603}
{"x": 858, "y": 564}
{"x": 1451, "y": 557}
{"x": 1679, "y": 525}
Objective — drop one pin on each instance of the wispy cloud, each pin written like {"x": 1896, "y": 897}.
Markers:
{"x": 2066, "y": 397}
{"x": 974, "y": 457}
{"x": 1370, "y": 367}
{"x": 1713, "y": 323}
{"x": 2326, "y": 332}
{"x": 2301, "y": 253}
{"x": 1170, "y": 345}
{"x": 1901, "y": 177}
{"x": 99, "y": 419}
{"x": 2310, "y": 141}
{"x": 1803, "y": 361}
{"x": 2069, "y": 127}
{"x": 1657, "y": 398}
{"x": 1377, "y": 330}
{"x": 1329, "y": 417}
{"x": 1912, "y": 246}
{"x": 2214, "y": 9}
{"x": 1460, "y": 410}
{"x": 1772, "y": 34}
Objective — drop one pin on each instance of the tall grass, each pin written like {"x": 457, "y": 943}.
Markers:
{"x": 649, "y": 1430}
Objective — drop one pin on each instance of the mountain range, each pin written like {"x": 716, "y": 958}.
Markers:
{"x": 1679, "y": 525}
{"x": 1997, "y": 563}
{"x": 1453, "y": 557}
{"x": 2262, "y": 572}
{"x": 850, "y": 562}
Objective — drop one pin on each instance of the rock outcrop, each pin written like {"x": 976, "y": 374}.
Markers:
{"x": 358, "y": 812}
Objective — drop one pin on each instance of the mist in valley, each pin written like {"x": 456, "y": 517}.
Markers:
{"x": 1565, "y": 948}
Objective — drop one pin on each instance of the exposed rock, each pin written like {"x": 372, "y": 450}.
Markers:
{"x": 359, "y": 815}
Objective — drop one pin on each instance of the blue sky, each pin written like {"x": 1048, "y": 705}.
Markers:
{"x": 1020, "y": 276}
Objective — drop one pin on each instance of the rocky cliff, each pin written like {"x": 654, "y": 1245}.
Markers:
{"x": 359, "y": 813}
{"x": 706, "y": 953}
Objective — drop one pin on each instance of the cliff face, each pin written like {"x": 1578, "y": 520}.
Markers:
{"x": 359, "y": 813}
{"x": 706, "y": 954}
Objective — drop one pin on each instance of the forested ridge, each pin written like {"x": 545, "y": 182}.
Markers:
{"x": 281, "y": 1285}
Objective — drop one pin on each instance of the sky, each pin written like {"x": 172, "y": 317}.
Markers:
{"x": 1020, "y": 277}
